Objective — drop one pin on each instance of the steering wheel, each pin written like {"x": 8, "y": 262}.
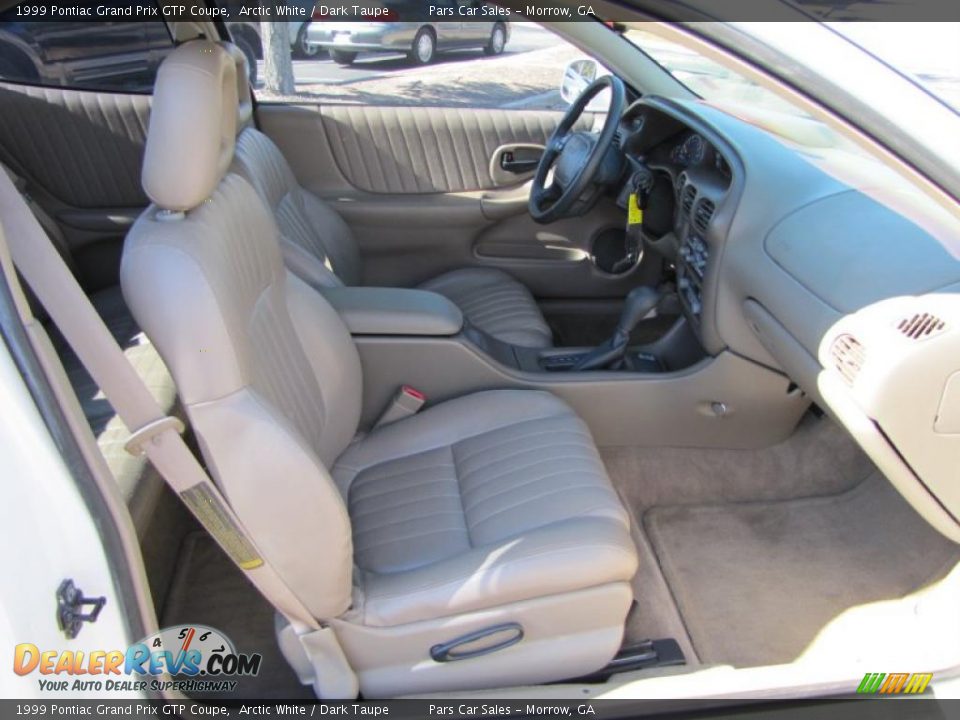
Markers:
{"x": 575, "y": 157}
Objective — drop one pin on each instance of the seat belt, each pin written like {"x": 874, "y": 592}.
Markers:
{"x": 154, "y": 434}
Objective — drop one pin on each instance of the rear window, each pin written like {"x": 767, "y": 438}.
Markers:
{"x": 84, "y": 55}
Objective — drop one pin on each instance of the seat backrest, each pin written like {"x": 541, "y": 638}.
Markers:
{"x": 266, "y": 370}
{"x": 317, "y": 244}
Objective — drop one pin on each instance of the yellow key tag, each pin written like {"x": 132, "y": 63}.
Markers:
{"x": 634, "y": 211}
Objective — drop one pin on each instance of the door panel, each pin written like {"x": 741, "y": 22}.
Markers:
{"x": 401, "y": 150}
{"x": 81, "y": 153}
{"x": 84, "y": 148}
{"x": 416, "y": 187}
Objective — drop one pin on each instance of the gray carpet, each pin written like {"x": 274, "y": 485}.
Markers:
{"x": 746, "y": 554}
{"x": 654, "y": 616}
{"x": 818, "y": 459}
{"x": 208, "y": 589}
{"x": 755, "y": 582}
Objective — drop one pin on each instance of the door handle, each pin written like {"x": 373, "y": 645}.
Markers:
{"x": 513, "y": 163}
{"x": 510, "y": 163}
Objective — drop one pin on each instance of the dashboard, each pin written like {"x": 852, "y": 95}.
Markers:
{"x": 692, "y": 180}
{"x": 819, "y": 261}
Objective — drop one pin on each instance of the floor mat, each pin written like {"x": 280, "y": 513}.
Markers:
{"x": 208, "y": 589}
{"x": 819, "y": 458}
{"x": 755, "y": 582}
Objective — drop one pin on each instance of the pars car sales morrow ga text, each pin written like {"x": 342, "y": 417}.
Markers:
{"x": 530, "y": 11}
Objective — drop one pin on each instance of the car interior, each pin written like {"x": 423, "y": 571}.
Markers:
{"x": 576, "y": 402}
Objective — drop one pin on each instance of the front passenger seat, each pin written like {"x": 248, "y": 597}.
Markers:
{"x": 489, "y": 513}
{"x": 319, "y": 247}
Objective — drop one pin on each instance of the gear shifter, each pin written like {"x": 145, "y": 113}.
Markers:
{"x": 636, "y": 307}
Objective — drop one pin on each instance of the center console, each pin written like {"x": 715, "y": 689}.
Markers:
{"x": 415, "y": 338}
{"x": 691, "y": 270}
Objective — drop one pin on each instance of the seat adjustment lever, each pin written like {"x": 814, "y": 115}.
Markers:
{"x": 445, "y": 652}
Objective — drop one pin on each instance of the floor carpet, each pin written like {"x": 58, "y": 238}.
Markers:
{"x": 755, "y": 582}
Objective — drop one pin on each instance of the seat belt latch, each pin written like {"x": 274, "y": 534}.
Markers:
{"x": 405, "y": 403}
{"x": 135, "y": 445}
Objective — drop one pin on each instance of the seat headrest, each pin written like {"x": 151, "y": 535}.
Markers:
{"x": 244, "y": 98}
{"x": 192, "y": 126}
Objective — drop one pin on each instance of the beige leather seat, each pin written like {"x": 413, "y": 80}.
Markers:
{"x": 488, "y": 509}
{"x": 319, "y": 247}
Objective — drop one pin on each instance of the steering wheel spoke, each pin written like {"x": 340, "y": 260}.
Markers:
{"x": 574, "y": 156}
{"x": 544, "y": 197}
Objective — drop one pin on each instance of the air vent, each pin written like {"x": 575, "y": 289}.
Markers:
{"x": 921, "y": 326}
{"x": 701, "y": 218}
{"x": 618, "y": 138}
{"x": 687, "y": 198}
{"x": 848, "y": 357}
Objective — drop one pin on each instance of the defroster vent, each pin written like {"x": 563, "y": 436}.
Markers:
{"x": 921, "y": 326}
{"x": 848, "y": 357}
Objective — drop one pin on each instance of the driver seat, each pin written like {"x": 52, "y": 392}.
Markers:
{"x": 319, "y": 247}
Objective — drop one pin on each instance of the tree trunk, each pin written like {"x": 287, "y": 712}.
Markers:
{"x": 277, "y": 66}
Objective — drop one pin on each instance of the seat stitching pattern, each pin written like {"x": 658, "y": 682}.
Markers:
{"x": 554, "y": 550}
{"x": 405, "y": 521}
{"x": 363, "y": 481}
{"x": 463, "y": 509}
{"x": 382, "y": 515}
{"x": 394, "y": 508}
{"x": 519, "y": 453}
{"x": 397, "y": 538}
{"x": 514, "y": 435}
{"x": 490, "y": 476}
{"x": 515, "y": 486}
{"x": 540, "y": 496}
{"x": 498, "y": 305}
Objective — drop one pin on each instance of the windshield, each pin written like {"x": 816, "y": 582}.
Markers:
{"x": 928, "y": 53}
{"x": 707, "y": 78}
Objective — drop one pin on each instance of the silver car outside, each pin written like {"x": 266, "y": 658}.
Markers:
{"x": 355, "y": 37}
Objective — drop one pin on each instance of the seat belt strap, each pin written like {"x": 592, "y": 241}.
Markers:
{"x": 155, "y": 434}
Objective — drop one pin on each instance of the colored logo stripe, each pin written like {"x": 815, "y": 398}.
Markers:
{"x": 894, "y": 683}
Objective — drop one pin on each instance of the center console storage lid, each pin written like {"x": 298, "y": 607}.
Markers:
{"x": 394, "y": 311}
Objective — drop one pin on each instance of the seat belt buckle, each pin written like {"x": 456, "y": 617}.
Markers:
{"x": 407, "y": 401}
{"x": 139, "y": 438}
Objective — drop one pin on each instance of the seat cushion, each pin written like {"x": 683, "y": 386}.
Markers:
{"x": 494, "y": 302}
{"x": 480, "y": 501}
{"x": 139, "y": 482}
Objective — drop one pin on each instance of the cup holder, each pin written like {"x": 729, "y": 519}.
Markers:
{"x": 611, "y": 253}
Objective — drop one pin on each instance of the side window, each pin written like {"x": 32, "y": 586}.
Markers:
{"x": 83, "y": 55}
{"x": 468, "y": 63}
